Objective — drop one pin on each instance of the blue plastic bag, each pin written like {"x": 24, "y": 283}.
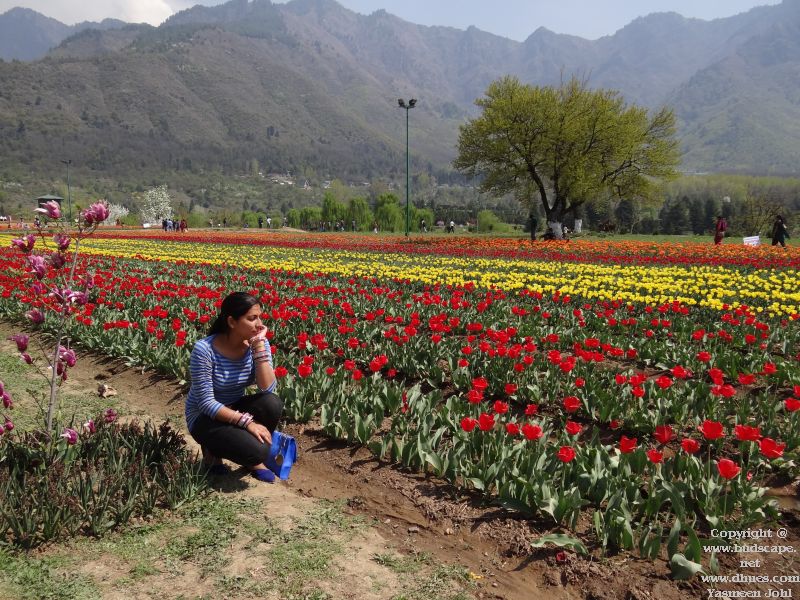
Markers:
{"x": 282, "y": 454}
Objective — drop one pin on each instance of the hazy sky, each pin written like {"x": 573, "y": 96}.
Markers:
{"x": 515, "y": 19}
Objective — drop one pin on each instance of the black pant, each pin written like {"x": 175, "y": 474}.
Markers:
{"x": 224, "y": 440}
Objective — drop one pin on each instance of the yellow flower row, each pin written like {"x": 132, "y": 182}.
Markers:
{"x": 773, "y": 291}
{"x": 767, "y": 290}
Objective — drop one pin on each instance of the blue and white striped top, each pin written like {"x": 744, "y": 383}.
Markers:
{"x": 218, "y": 381}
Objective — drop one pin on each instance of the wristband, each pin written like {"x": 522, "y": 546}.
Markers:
{"x": 245, "y": 420}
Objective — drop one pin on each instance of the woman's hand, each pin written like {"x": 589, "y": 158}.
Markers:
{"x": 259, "y": 338}
{"x": 260, "y": 432}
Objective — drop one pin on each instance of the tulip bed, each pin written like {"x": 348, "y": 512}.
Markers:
{"x": 659, "y": 401}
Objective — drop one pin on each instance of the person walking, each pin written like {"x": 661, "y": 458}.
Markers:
{"x": 719, "y": 230}
{"x": 260, "y": 222}
{"x": 779, "y": 232}
{"x": 226, "y": 423}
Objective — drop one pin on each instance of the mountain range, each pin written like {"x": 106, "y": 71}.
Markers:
{"x": 311, "y": 84}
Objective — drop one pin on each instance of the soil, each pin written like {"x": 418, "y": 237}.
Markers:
{"x": 415, "y": 512}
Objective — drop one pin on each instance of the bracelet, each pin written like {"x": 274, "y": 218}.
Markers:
{"x": 245, "y": 420}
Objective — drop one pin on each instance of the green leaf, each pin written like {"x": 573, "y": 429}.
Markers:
{"x": 682, "y": 568}
{"x": 561, "y": 540}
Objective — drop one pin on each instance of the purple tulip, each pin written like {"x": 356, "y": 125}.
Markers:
{"x": 51, "y": 209}
{"x": 25, "y": 243}
{"x": 70, "y": 435}
{"x": 9, "y": 425}
{"x": 61, "y": 241}
{"x": 27, "y": 358}
{"x": 36, "y": 316}
{"x": 38, "y": 288}
{"x": 95, "y": 214}
{"x": 8, "y": 403}
{"x": 79, "y": 298}
{"x": 89, "y": 427}
{"x": 109, "y": 415}
{"x": 68, "y": 356}
{"x": 38, "y": 266}
{"x": 57, "y": 260}
{"x": 22, "y": 344}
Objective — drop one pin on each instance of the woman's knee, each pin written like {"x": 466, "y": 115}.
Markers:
{"x": 270, "y": 409}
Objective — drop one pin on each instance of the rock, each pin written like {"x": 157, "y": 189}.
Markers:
{"x": 448, "y": 531}
{"x": 105, "y": 391}
{"x": 413, "y": 529}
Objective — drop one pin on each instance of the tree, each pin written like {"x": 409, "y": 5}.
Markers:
{"x": 156, "y": 205}
{"x": 567, "y": 144}
{"x": 115, "y": 211}
{"x": 358, "y": 211}
{"x": 332, "y": 209}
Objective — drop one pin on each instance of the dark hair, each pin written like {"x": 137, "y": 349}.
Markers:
{"x": 235, "y": 305}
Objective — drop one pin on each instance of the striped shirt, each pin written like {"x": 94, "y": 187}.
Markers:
{"x": 218, "y": 381}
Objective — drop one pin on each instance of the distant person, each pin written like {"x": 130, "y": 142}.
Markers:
{"x": 451, "y": 227}
{"x": 225, "y": 221}
{"x": 260, "y": 222}
{"x": 184, "y": 226}
{"x": 164, "y": 224}
{"x": 269, "y": 222}
{"x": 534, "y": 224}
{"x": 375, "y": 226}
{"x": 422, "y": 226}
{"x": 779, "y": 232}
{"x": 719, "y": 230}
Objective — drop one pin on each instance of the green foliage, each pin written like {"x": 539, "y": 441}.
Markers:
{"x": 332, "y": 209}
{"x": 53, "y": 489}
{"x": 567, "y": 144}
{"x": 358, "y": 211}
{"x": 488, "y": 222}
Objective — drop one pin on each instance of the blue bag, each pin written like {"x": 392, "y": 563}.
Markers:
{"x": 282, "y": 454}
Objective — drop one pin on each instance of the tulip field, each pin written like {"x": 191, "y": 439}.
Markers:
{"x": 634, "y": 395}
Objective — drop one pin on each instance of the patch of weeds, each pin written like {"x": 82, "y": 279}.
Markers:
{"x": 404, "y": 564}
{"x": 236, "y": 585}
{"x": 216, "y": 520}
{"x": 27, "y": 578}
{"x": 143, "y": 569}
{"x": 446, "y": 582}
{"x": 306, "y": 552}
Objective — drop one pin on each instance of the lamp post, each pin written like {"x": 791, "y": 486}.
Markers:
{"x": 69, "y": 191}
{"x": 407, "y": 107}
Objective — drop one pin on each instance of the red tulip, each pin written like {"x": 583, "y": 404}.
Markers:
{"x": 304, "y": 370}
{"x": 770, "y": 448}
{"x": 566, "y": 454}
{"x": 745, "y": 433}
{"x": 531, "y": 432}
{"x": 486, "y": 421}
{"x": 573, "y": 428}
{"x": 704, "y": 356}
{"x": 480, "y": 383}
{"x": 468, "y": 424}
{"x": 711, "y": 430}
{"x": 664, "y": 382}
{"x": 690, "y": 446}
{"x": 512, "y": 429}
{"x": 511, "y": 389}
{"x": 654, "y": 456}
{"x": 281, "y": 372}
{"x": 727, "y": 468}
{"x": 474, "y": 396}
{"x": 531, "y": 410}
{"x": 664, "y": 434}
{"x": 615, "y": 424}
{"x": 580, "y": 382}
{"x": 627, "y": 445}
{"x": 571, "y": 404}
{"x": 792, "y": 404}
{"x": 746, "y": 378}
{"x": 500, "y": 408}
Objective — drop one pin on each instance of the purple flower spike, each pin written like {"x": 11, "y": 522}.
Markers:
{"x": 52, "y": 209}
{"x": 68, "y": 356}
{"x": 89, "y": 427}
{"x": 8, "y": 403}
{"x": 9, "y": 426}
{"x": 27, "y": 358}
{"x": 22, "y": 344}
{"x": 57, "y": 260}
{"x": 25, "y": 243}
{"x": 61, "y": 241}
{"x": 70, "y": 435}
{"x": 95, "y": 214}
{"x": 38, "y": 266}
{"x": 109, "y": 415}
{"x": 36, "y": 316}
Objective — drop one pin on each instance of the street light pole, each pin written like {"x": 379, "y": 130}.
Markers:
{"x": 69, "y": 191}
{"x": 411, "y": 104}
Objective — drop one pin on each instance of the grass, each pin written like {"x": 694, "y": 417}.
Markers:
{"x": 28, "y": 577}
{"x": 423, "y": 578}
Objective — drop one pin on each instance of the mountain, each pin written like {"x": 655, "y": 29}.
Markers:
{"x": 311, "y": 83}
{"x": 28, "y": 35}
